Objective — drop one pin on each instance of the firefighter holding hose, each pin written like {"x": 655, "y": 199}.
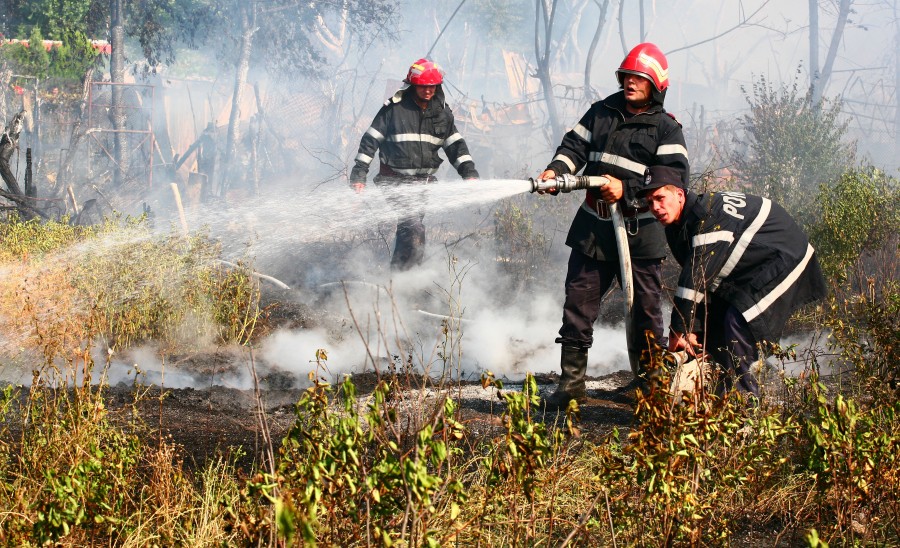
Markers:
{"x": 618, "y": 138}
{"x": 408, "y": 132}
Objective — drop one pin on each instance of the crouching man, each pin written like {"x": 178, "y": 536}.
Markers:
{"x": 746, "y": 266}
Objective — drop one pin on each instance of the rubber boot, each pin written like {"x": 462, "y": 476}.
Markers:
{"x": 571, "y": 383}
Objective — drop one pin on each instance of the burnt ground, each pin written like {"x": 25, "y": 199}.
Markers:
{"x": 206, "y": 423}
{"x": 217, "y": 421}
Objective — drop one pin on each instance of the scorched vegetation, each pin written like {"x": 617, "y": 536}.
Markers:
{"x": 403, "y": 464}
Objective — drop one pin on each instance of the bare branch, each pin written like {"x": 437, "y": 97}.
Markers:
{"x": 593, "y": 48}
{"x": 622, "y": 28}
{"x": 745, "y": 21}
{"x": 843, "y": 13}
{"x": 444, "y": 28}
{"x": 332, "y": 41}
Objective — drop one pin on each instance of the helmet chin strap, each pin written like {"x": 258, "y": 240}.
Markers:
{"x": 640, "y": 108}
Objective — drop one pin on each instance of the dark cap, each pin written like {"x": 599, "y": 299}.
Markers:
{"x": 660, "y": 176}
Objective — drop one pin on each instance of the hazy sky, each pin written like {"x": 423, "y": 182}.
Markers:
{"x": 756, "y": 37}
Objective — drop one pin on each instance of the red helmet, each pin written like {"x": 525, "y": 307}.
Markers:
{"x": 425, "y": 73}
{"x": 646, "y": 60}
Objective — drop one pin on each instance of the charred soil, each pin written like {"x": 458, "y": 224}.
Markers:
{"x": 215, "y": 421}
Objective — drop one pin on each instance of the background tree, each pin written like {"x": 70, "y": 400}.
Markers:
{"x": 242, "y": 68}
{"x": 857, "y": 228}
{"x": 818, "y": 79}
{"x": 290, "y": 41}
{"x": 504, "y": 21}
{"x": 117, "y": 76}
{"x": 896, "y": 13}
{"x": 55, "y": 17}
{"x": 589, "y": 94}
{"x": 544, "y": 15}
{"x": 790, "y": 145}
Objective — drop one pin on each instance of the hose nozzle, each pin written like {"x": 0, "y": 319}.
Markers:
{"x": 567, "y": 183}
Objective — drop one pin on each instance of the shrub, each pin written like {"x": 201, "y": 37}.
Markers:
{"x": 857, "y": 218}
{"x": 70, "y": 60}
{"x": 792, "y": 145}
{"x": 69, "y": 285}
{"x": 866, "y": 335}
{"x": 341, "y": 477}
{"x": 853, "y": 452}
{"x": 524, "y": 235}
{"x": 75, "y": 473}
{"x": 32, "y": 59}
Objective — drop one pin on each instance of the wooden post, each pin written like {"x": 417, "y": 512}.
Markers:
{"x": 30, "y": 190}
{"x": 74, "y": 201}
{"x": 184, "y": 225}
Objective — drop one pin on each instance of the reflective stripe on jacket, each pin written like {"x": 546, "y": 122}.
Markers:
{"x": 407, "y": 139}
{"x": 608, "y": 140}
{"x": 748, "y": 251}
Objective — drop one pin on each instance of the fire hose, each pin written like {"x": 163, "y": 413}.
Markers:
{"x": 568, "y": 183}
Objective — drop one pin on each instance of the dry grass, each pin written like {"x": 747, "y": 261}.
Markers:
{"x": 375, "y": 471}
{"x": 117, "y": 285}
{"x": 73, "y": 474}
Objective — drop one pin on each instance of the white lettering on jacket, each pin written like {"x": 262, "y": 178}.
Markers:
{"x": 734, "y": 200}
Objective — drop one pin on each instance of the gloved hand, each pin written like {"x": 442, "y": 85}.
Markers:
{"x": 358, "y": 187}
{"x": 685, "y": 341}
{"x": 613, "y": 191}
{"x": 548, "y": 174}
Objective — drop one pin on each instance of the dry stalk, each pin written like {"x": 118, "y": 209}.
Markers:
{"x": 268, "y": 447}
{"x": 584, "y": 517}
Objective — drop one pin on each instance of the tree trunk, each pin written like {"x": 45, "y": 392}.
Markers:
{"x": 36, "y": 124}
{"x": 65, "y": 170}
{"x": 257, "y": 139}
{"x": 601, "y": 22}
{"x": 117, "y": 77}
{"x": 622, "y": 28}
{"x": 813, "y": 44}
{"x": 5, "y": 76}
{"x": 248, "y": 21}
{"x": 896, "y": 77}
{"x": 843, "y": 12}
{"x": 8, "y": 143}
{"x": 643, "y": 32}
{"x": 547, "y": 14}
{"x": 567, "y": 53}
{"x": 30, "y": 190}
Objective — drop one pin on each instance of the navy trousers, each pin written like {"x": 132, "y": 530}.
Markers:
{"x": 732, "y": 346}
{"x": 409, "y": 247}
{"x": 408, "y": 200}
{"x": 588, "y": 280}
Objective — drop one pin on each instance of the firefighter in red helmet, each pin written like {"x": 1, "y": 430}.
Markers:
{"x": 647, "y": 61}
{"x": 619, "y": 137}
{"x": 408, "y": 132}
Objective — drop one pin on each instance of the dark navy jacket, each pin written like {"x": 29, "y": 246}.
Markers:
{"x": 408, "y": 140}
{"x": 747, "y": 251}
{"x": 609, "y": 140}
